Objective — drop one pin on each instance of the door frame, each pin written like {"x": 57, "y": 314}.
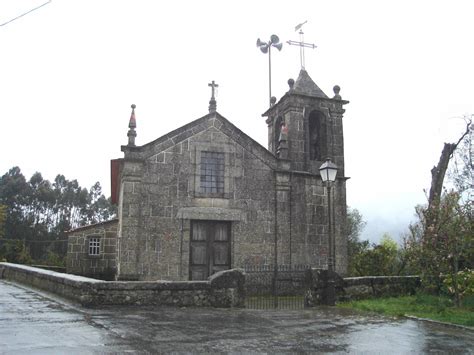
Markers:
{"x": 210, "y": 234}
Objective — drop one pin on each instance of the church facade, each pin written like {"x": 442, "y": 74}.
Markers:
{"x": 206, "y": 197}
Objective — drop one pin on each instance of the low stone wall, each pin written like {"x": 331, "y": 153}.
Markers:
{"x": 51, "y": 268}
{"x": 354, "y": 288}
{"x": 223, "y": 289}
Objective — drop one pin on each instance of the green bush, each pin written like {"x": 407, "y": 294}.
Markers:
{"x": 15, "y": 252}
{"x": 53, "y": 259}
{"x": 465, "y": 283}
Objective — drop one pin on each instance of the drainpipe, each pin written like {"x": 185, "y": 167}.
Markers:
{"x": 275, "y": 266}
{"x": 291, "y": 217}
{"x": 181, "y": 250}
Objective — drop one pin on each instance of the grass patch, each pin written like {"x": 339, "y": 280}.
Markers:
{"x": 438, "y": 308}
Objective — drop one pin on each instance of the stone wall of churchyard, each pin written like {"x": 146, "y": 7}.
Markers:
{"x": 355, "y": 288}
{"x": 223, "y": 289}
{"x": 102, "y": 266}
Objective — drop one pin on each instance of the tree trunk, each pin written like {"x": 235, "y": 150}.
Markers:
{"x": 454, "y": 279}
{"x": 438, "y": 173}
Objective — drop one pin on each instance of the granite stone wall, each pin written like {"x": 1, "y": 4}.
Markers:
{"x": 102, "y": 266}
{"x": 355, "y": 288}
{"x": 223, "y": 289}
{"x": 294, "y": 109}
{"x": 263, "y": 200}
{"x": 161, "y": 196}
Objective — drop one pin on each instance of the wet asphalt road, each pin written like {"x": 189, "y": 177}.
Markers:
{"x": 33, "y": 322}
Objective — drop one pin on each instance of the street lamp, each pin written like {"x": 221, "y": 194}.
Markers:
{"x": 266, "y": 47}
{"x": 328, "y": 171}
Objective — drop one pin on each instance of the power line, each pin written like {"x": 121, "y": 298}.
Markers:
{"x": 26, "y": 13}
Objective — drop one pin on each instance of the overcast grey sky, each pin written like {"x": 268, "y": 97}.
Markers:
{"x": 71, "y": 70}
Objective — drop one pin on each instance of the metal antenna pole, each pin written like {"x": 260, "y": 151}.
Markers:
{"x": 302, "y": 49}
{"x": 270, "y": 75}
{"x": 266, "y": 47}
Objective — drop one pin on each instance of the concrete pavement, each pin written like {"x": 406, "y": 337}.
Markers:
{"x": 32, "y": 322}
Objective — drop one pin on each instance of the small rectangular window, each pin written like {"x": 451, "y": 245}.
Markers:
{"x": 94, "y": 246}
{"x": 212, "y": 173}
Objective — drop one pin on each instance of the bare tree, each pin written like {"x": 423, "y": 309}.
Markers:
{"x": 439, "y": 171}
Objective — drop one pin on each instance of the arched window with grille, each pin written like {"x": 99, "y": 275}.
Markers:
{"x": 317, "y": 136}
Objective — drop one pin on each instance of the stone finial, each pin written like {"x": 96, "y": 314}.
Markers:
{"x": 336, "y": 90}
{"x": 291, "y": 83}
{"x": 273, "y": 100}
{"x": 212, "y": 105}
{"x": 132, "y": 124}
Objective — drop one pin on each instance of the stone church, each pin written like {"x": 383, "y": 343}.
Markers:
{"x": 207, "y": 197}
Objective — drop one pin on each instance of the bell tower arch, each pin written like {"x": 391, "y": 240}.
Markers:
{"x": 311, "y": 123}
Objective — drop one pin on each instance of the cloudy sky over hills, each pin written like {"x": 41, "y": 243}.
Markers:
{"x": 71, "y": 69}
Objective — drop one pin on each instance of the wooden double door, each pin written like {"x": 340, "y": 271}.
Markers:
{"x": 209, "y": 249}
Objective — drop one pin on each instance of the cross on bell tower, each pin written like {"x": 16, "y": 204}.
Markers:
{"x": 212, "y": 102}
{"x": 301, "y": 43}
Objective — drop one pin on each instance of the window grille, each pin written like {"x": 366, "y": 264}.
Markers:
{"x": 212, "y": 172}
{"x": 94, "y": 246}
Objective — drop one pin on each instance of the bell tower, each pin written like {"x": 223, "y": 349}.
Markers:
{"x": 305, "y": 126}
{"x": 304, "y": 129}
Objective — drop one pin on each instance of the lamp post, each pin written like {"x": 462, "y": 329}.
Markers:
{"x": 266, "y": 47}
{"x": 328, "y": 171}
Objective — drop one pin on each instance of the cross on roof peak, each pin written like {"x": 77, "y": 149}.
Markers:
{"x": 213, "y": 85}
{"x": 212, "y": 102}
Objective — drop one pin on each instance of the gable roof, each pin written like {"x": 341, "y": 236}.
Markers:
{"x": 304, "y": 86}
{"x": 213, "y": 119}
{"x": 94, "y": 225}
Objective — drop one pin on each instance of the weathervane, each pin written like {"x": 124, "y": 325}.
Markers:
{"x": 301, "y": 43}
{"x": 266, "y": 47}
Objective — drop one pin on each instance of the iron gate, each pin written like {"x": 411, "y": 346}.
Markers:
{"x": 283, "y": 286}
